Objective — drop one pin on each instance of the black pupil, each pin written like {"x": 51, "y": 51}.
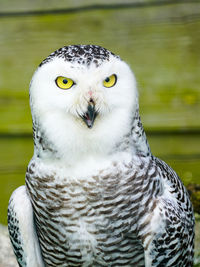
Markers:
{"x": 107, "y": 79}
{"x": 65, "y": 81}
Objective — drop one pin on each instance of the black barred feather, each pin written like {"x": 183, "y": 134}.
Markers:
{"x": 15, "y": 235}
{"x": 116, "y": 213}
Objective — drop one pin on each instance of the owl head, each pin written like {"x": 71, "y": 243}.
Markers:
{"x": 82, "y": 97}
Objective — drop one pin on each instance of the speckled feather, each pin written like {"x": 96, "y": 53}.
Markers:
{"x": 81, "y": 54}
{"x": 131, "y": 209}
{"x": 15, "y": 236}
{"x": 116, "y": 213}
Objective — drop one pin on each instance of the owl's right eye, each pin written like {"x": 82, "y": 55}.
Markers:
{"x": 64, "y": 82}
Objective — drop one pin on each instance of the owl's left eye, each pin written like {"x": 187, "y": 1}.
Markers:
{"x": 110, "y": 81}
{"x": 64, "y": 82}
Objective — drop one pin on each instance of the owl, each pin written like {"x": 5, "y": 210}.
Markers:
{"x": 94, "y": 194}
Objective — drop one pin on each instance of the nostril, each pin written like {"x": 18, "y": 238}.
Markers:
{"x": 90, "y": 92}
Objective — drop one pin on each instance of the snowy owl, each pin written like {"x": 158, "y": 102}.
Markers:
{"x": 94, "y": 194}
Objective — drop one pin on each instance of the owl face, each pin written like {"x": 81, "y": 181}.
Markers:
{"x": 87, "y": 95}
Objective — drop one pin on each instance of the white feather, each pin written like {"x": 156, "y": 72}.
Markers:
{"x": 57, "y": 110}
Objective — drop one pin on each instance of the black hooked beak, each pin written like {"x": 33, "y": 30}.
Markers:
{"x": 90, "y": 114}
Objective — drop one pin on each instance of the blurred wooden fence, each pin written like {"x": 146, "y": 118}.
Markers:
{"x": 159, "y": 39}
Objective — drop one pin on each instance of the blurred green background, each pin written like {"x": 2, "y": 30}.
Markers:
{"x": 161, "y": 42}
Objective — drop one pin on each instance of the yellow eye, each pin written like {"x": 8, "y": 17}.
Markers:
{"x": 64, "y": 83}
{"x": 110, "y": 81}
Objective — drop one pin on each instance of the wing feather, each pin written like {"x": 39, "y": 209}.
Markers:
{"x": 22, "y": 231}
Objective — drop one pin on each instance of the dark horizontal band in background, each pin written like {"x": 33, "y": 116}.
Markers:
{"x": 149, "y": 132}
{"x": 95, "y": 7}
